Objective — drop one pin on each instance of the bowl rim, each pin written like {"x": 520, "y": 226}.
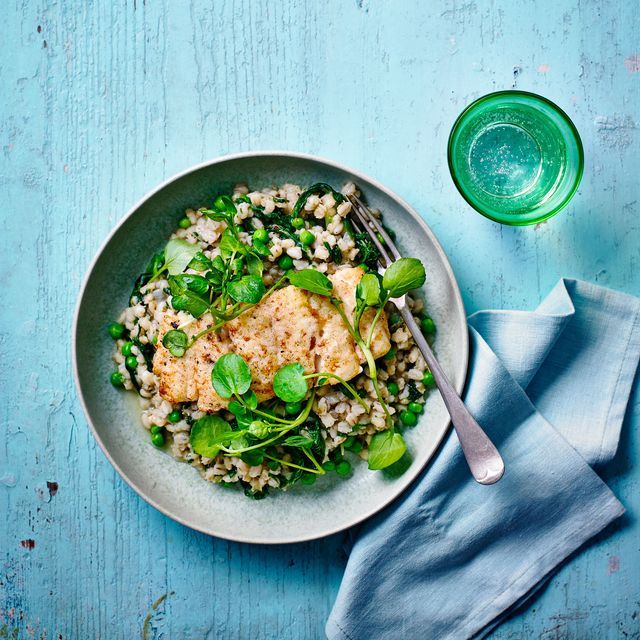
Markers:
{"x": 563, "y": 115}
{"x": 459, "y": 386}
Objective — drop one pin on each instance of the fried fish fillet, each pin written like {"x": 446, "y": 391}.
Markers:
{"x": 188, "y": 378}
{"x": 290, "y": 325}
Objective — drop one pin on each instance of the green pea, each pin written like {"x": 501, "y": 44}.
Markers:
{"x": 155, "y": 429}
{"x": 126, "y": 348}
{"x": 329, "y": 465}
{"x": 184, "y": 223}
{"x": 427, "y": 325}
{"x": 157, "y": 439}
{"x": 286, "y": 262}
{"x": 261, "y": 235}
{"x": 293, "y": 408}
{"x": 273, "y": 465}
{"x": 415, "y": 407}
{"x": 394, "y": 319}
{"x": 174, "y": 416}
{"x": 117, "y": 379}
{"x": 131, "y": 362}
{"x": 154, "y": 340}
{"x": 115, "y": 330}
{"x": 391, "y": 354}
{"x": 393, "y": 389}
{"x": 307, "y": 238}
{"x": 343, "y": 468}
{"x": 297, "y": 223}
{"x": 428, "y": 380}
{"x": 308, "y": 478}
{"x": 408, "y": 419}
{"x": 356, "y": 447}
{"x": 380, "y": 238}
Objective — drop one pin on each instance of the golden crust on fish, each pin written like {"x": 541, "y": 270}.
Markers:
{"x": 188, "y": 378}
{"x": 290, "y": 325}
{"x": 276, "y": 332}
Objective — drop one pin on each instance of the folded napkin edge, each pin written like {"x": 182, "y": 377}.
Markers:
{"x": 621, "y": 395}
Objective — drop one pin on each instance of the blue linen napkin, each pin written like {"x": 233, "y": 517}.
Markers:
{"x": 451, "y": 558}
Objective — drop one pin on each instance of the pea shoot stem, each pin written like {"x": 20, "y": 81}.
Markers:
{"x": 304, "y": 414}
{"x": 342, "y": 381}
{"x": 366, "y": 350}
{"x": 295, "y": 466}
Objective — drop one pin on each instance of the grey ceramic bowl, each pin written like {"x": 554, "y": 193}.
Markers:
{"x": 174, "y": 488}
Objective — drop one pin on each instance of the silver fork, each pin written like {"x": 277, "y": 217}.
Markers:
{"x": 483, "y": 458}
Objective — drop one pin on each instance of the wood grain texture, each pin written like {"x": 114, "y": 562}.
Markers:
{"x": 103, "y": 100}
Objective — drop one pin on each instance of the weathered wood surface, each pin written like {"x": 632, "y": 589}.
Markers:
{"x": 103, "y": 100}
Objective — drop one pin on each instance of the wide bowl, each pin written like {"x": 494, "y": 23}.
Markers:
{"x": 174, "y": 488}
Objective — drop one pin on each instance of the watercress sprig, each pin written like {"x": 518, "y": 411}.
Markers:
{"x": 231, "y": 378}
{"x": 372, "y": 292}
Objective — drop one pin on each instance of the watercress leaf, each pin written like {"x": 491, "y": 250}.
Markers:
{"x": 225, "y": 203}
{"x": 155, "y": 264}
{"x": 318, "y": 188}
{"x": 253, "y": 457}
{"x": 334, "y": 252}
{"x": 369, "y": 290}
{"x": 244, "y": 418}
{"x": 176, "y": 285}
{"x": 385, "y": 448}
{"x": 399, "y": 467}
{"x": 230, "y": 376}
{"x": 218, "y": 264}
{"x": 259, "y": 429}
{"x": 229, "y": 244}
{"x": 311, "y": 280}
{"x": 178, "y": 254}
{"x": 289, "y": 383}
{"x": 213, "y": 214}
{"x": 200, "y": 262}
{"x": 185, "y": 281}
{"x": 208, "y": 434}
{"x": 261, "y": 248}
{"x": 298, "y": 441}
{"x": 315, "y": 433}
{"x": 197, "y": 284}
{"x": 250, "y": 399}
{"x": 247, "y": 289}
{"x": 214, "y": 278}
{"x": 240, "y": 441}
{"x": 255, "y": 265}
{"x": 368, "y": 251}
{"x": 236, "y": 407}
{"x": 403, "y": 275}
{"x": 176, "y": 342}
{"x": 191, "y": 303}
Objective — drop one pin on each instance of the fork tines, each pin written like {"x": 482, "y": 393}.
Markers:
{"x": 364, "y": 220}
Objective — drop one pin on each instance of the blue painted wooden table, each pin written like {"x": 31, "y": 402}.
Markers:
{"x": 101, "y": 101}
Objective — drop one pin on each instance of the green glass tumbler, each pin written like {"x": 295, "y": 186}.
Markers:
{"x": 515, "y": 157}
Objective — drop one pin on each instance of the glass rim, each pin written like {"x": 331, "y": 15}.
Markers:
{"x": 535, "y": 98}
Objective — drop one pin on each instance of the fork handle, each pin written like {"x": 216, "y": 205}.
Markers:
{"x": 484, "y": 460}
